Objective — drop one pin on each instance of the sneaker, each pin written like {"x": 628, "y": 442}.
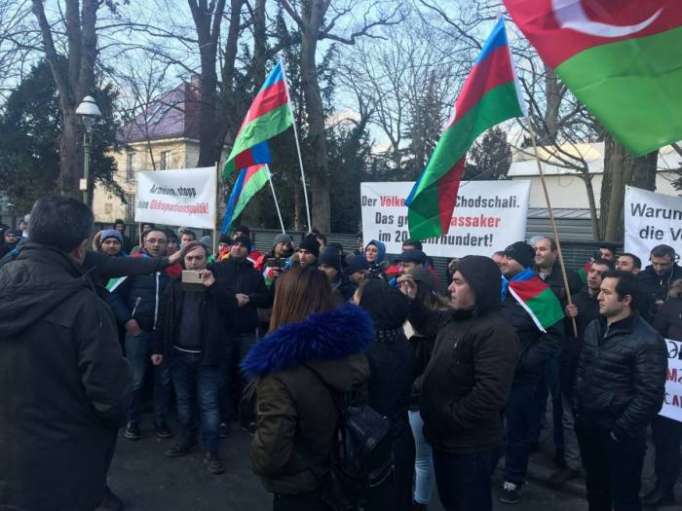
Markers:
{"x": 162, "y": 430}
{"x": 224, "y": 430}
{"x": 178, "y": 450}
{"x": 510, "y": 494}
{"x": 110, "y": 502}
{"x": 213, "y": 463}
{"x": 561, "y": 476}
{"x": 132, "y": 431}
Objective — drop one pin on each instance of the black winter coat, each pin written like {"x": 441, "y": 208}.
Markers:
{"x": 64, "y": 385}
{"x": 536, "y": 347}
{"x": 139, "y": 298}
{"x": 588, "y": 311}
{"x": 668, "y": 321}
{"x": 555, "y": 281}
{"x": 654, "y": 288}
{"x": 216, "y": 304}
{"x": 620, "y": 382}
{"x": 239, "y": 276}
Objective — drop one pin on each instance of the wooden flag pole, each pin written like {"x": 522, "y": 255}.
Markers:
{"x": 552, "y": 221}
{"x": 216, "y": 219}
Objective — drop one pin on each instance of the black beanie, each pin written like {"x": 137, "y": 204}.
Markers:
{"x": 244, "y": 240}
{"x": 310, "y": 244}
{"x": 330, "y": 256}
{"x": 521, "y": 252}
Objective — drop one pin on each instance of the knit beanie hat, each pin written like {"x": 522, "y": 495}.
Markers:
{"x": 282, "y": 238}
{"x": 310, "y": 244}
{"x": 330, "y": 256}
{"x": 244, "y": 241}
{"x": 110, "y": 233}
{"x": 356, "y": 263}
{"x": 521, "y": 252}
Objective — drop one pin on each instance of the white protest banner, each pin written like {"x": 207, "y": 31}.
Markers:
{"x": 489, "y": 215}
{"x": 672, "y": 407}
{"x": 651, "y": 219}
{"x": 184, "y": 197}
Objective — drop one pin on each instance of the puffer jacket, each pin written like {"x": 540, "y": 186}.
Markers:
{"x": 64, "y": 385}
{"x": 620, "y": 382}
{"x": 296, "y": 415}
{"x": 466, "y": 383}
{"x": 654, "y": 288}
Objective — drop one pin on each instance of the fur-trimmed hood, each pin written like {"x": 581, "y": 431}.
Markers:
{"x": 329, "y": 336}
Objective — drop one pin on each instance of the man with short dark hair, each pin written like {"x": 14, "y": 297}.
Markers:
{"x": 308, "y": 251}
{"x": 120, "y": 226}
{"x": 410, "y": 260}
{"x": 136, "y": 305}
{"x": 655, "y": 280}
{"x": 64, "y": 384}
{"x": 331, "y": 263}
{"x": 629, "y": 263}
{"x": 187, "y": 236}
{"x": 620, "y": 386}
{"x": 192, "y": 339}
{"x": 607, "y": 251}
{"x": 412, "y": 245}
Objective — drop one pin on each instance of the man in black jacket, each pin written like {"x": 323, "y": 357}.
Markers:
{"x": 64, "y": 384}
{"x": 191, "y": 337}
{"x": 655, "y": 280}
{"x": 537, "y": 347}
{"x": 237, "y": 276}
{"x": 136, "y": 305}
{"x": 620, "y": 385}
{"x": 466, "y": 384}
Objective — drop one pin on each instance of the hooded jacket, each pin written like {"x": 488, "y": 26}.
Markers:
{"x": 296, "y": 416}
{"x": 64, "y": 384}
{"x": 466, "y": 383}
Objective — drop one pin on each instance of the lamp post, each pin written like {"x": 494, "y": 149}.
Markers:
{"x": 88, "y": 111}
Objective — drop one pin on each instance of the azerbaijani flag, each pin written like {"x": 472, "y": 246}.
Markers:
{"x": 488, "y": 97}
{"x": 269, "y": 115}
{"x": 582, "y": 272}
{"x": 621, "y": 58}
{"x": 538, "y": 299}
{"x": 248, "y": 183}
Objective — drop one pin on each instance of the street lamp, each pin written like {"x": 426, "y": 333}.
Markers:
{"x": 88, "y": 111}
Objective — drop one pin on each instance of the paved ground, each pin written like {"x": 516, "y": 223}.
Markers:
{"x": 147, "y": 480}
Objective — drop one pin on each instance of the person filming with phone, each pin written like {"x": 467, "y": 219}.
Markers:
{"x": 191, "y": 338}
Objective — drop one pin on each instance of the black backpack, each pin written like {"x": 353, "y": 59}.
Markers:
{"x": 362, "y": 457}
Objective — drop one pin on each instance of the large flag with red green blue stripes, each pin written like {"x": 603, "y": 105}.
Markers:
{"x": 621, "y": 58}
{"x": 269, "y": 115}
{"x": 538, "y": 299}
{"x": 248, "y": 183}
{"x": 488, "y": 97}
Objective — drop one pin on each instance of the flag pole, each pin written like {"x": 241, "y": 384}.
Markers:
{"x": 298, "y": 149}
{"x": 552, "y": 221}
{"x": 274, "y": 196}
{"x": 216, "y": 216}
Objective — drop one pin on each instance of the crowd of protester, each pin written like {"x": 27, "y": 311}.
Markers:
{"x": 288, "y": 344}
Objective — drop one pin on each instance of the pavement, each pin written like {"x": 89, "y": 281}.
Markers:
{"x": 146, "y": 480}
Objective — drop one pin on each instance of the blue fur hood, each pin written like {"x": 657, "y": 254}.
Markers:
{"x": 331, "y": 335}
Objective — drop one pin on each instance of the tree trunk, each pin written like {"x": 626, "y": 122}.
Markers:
{"x": 318, "y": 171}
{"x": 621, "y": 168}
{"x": 70, "y": 156}
{"x": 594, "y": 217}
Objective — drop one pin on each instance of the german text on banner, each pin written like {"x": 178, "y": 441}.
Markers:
{"x": 651, "y": 219}
{"x": 489, "y": 215}
{"x": 184, "y": 197}
{"x": 672, "y": 406}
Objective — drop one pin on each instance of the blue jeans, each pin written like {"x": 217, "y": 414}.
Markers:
{"x": 190, "y": 378}
{"x": 138, "y": 351}
{"x": 423, "y": 463}
{"x": 464, "y": 479}
{"x": 522, "y": 417}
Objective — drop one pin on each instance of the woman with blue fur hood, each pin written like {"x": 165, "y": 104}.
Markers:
{"x": 375, "y": 253}
{"x": 312, "y": 346}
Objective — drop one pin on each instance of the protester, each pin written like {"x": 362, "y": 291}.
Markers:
{"x": 537, "y": 347}
{"x": 321, "y": 239}
{"x": 392, "y": 366}
{"x": 548, "y": 268}
{"x": 238, "y": 276}
{"x": 410, "y": 260}
{"x": 64, "y": 384}
{"x": 420, "y": 285}
{"x": 110, "y": 242}
{"x": 375, "y": 252}
{"x": 11, "y": 238}
{"x": 583, "y": 310}
{"x": 244, "y": 232}
{"x": 607, "y": 252}
{"x": 186, "y": 236}
{"x": 620, "y": 385}
{"x": 357, "y": 269}
{"x": 120, "y": 226}
{"x": 224, "y": 244}
{"x": 22, "y": 225}
{"x": 497, "y": 258}
{"x": 282, "y": 249}
{"x": 466, "y": 385}
{"x": 331, "y": 263}
{"x": 173, "y": 241}
{"x": 667, "y": 433}
{"x": 312, "y": 348}
{"x": 136, "y": 304}
{"x": 191, "y": 338}
{"x": 629, "y": 263}
{"x": 655, "y": 280}
{"x": 308, "y": 251}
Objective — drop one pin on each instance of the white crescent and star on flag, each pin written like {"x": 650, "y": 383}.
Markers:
{"x": 570, "y": 14}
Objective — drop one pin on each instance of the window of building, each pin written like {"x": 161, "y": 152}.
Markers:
{"x": 130, "y": 174}
{"x": 163, "y": 160}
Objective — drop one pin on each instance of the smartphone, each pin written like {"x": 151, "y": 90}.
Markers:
{"x": 192, "y": 280}
{"x": 275, "y": 262}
